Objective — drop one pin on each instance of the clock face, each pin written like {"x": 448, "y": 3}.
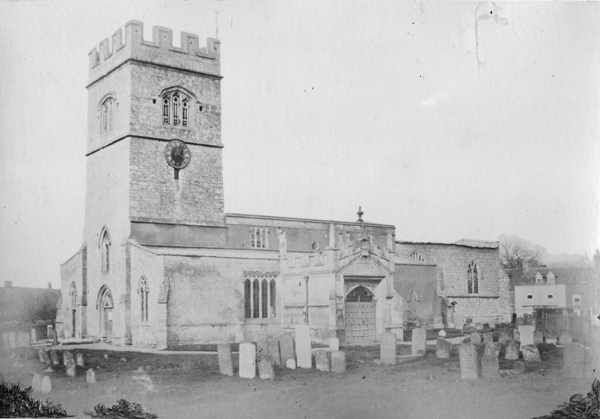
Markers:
{"x": 177, "y": 154}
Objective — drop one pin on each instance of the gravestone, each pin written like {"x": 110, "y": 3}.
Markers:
{"x": 487, "y": 337}
{"x": 492, "y": 349}
{"x": 458, "y": 321}
{"x": 334, "y": 344}
{"x": 286, "y": 348}
{"x": 5, "y": 341}
{"x": 478, "y": 326}
{"x": 12, "y": 340}
{"x": 33, "y": 335}
{"x": 442, "y": 333}
{"x": 262, "y": 348}
{"x": 54, "y": 357}
{"x": 23, "y": 340}
{"x": 490, "y": 367}
{"x": 225, "y": 362}
{"x": 564, "y": 337}
{"x": 90, "y": 376}
{"x": 419, "y": 341}
{"x": 574, "y": 360}
{"x": 247, "y": 360}
{"x": 291, "y": 364}
{"x": 526, "y": 334}
{"x": 265, "y": 367}
{"x": 538, "y": 337}
{"x": 476, "y": 338}
{"x": 67, "y": 356}
{"x": 46, "y": 385}
{"x": 44, "y": 356}
{"x": 71, "y": 369}
{"x": 513, "y": 350}
{"x": 36, "y": 382}
{"x": 322, "y": 361}
{"x": 79, "y": 360}
{"x": 516, "y": 335}
{"x": 550, "y": 336}
{"x": 303, "y": 347}
{"x": 531, "y": 353}
{"x": 443, "y": 348}
{"x": 519, "y": 367}
{"x": 505, "y": 335}
{"x": 338, "y": 361}
{"x": 273, "y": 348}
{"x": 467, "y": 357}
{"x": 387, "y": 348}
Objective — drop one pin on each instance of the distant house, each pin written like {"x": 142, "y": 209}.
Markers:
{"x": 20, "y": 306}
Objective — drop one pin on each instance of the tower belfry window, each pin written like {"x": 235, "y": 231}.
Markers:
{"x": 106, "y": 114}
{"x": 176, "y": 108}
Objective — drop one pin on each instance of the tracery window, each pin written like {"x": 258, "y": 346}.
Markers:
{"x": 417, "y": 256}
{"x": 176, "y": 107}
{"x": 105, "y": 249}
{"x": 144, "y": 290}
{"x": 260, "y": 296}
{"x": 472, "y": 279}
{"x": 106, "y": 114}
{"x": 259, "y": 238}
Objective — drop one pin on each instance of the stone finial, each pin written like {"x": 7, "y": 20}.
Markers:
{"x": 360, "y": 214}
{"x": 282, "y": 240}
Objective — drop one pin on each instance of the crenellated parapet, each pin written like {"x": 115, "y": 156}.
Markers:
{"x": 190, "y": 56}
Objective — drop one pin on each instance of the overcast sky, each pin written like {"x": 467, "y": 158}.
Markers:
{"x": 449, "y": 120}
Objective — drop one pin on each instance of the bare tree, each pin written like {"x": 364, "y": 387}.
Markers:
{"x": 513, "y": 253}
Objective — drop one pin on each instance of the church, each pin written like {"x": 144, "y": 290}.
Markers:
{"x": 163, "y": 265}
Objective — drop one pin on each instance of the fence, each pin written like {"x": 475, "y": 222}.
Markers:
{"x": 578, "y": 326}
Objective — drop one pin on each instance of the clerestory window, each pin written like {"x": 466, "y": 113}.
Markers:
{"x": 472, "y": 279}
{"x": 417, "y": 256}
{"x": 259, "y": 238}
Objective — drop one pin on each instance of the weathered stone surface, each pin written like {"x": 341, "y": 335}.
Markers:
{"x": 467, "y": 356}
{"x": 71, "y": 368}
{"x": 505, "y": 335}
{"x": 67, "y": 356}
{"x": 574, "y": 360}
{"x": 322, "y": 361}
{"x": 265, "y": 367}
{"x": 247, "y": 360}
{"x": 487, "y": 337}
{"x": 419, "y": 341}
{"x": 262, "y": 348}
{"x": 90, "y": 376}
{"x": 54, "y": 358}
{"x": 526, "y": 334}
{"x": 225, "y": 361}
{"x": 338, "y": 361}
{"x": 303, "y": 347}
{"x": 387, "y": 348}
{"x": 564, "y": 337}
{"x": 490, "y": 367}
{"x": 538, "y": 337}
{"x": 442, "y": 333}
{"x": 79, "y": 360}
{"x": 36, "y": 382}
{"x": 516, "y": 335}
{"x": 334, "y": 344}
{"x": 519, "y": 367}
{"x": 44, "y": 356}
{"x": 286, "y": 348}
{"x": 478, "y": 326}
{"x": 513, "y": 350}
{"x": 443, "y": 348}
{"x": 291, "y": 364}
{"x": 531, "y": 353}
{"x": 492, "y": 349}
{"x": 46, "y": 385}
{"x": 476, "y": 338}
{"x": 273, "y": 348}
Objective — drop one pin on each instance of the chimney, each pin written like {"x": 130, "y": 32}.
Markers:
{"x": 525, "y": 265}
{"x": 7, "y": 284}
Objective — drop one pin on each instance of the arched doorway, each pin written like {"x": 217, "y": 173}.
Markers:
{"x": 360, "y": 315}
{"x": 105, "y": 314}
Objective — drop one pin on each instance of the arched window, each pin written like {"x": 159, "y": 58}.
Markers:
{"x": 105, "y": 249}
{"x": 143, "y": 290}
{"x": 176, "y": 108}
{"x": 260, "y": 298}
{"x": 106, "y": 114}
{"x": 259, "y": 238}
{"x": 417, "y": 256}
{"x": 472, "y": 279}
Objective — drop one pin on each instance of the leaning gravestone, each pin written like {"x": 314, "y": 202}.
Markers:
{"x": 273, "y": 348}
{"x": 538, "y": 337}
{"x": 262, "y": 348}
{"x": 44, "y": 356}
{"x": 505, "y": 335}
{"x": 443, "y": 348}
{"x": 90, "y": 376}
{"x": 322, "y": 361}
{"x": 476, "y": 338}
{"x": 71, "y": 368}
{"x": 334, "y": 344}
{"x": 419, "y": 342}
{"x": 46, "y": 385}
{"x": 54, "y": 357}
{"x": 513, "y": 350}
{"x": 490, "y": 367}
{"x": 265, "y": 367}
{"x": 531, "y": 353}
{"x": 225, "y": 362}
{"x": 36, "y": 382}
{"x": 303, "y": 347}
{"x": 338, "y": 361}
{"x": 564, "y": 337}
{"x": 286, "y": 348}
{"x": 387, "y": 348}
{"x": 467, "y": 357}
{"x": 492, "y": 349}
{"x": 247, "y": 360}
{"x": 574, "y": 360}
{"x": 519, "y": 367}
{"x": 526, "y": 334}
{"x": 487, "y": 337}
{"x": 79, "y": 360}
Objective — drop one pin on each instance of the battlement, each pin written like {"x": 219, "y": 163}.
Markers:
{"x": 190, "y": 56}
